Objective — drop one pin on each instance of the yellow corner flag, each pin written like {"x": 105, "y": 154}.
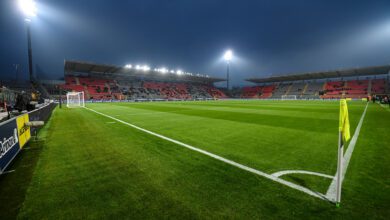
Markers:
{"x": 344, "y": 120}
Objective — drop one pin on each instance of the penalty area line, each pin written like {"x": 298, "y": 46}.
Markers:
{"x": 230, "y": 162}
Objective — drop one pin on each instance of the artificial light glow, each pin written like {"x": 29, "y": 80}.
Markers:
{"x": 138, "y": 67}
{"x": 179, "y": 72}
{"x": 129, "y": 66}
{"x": 28, "y": 7}
{"x": 172, "y": 71}
{"x": 163, "y": 70}
{"x": 145, "y": 68}
{"x": 228, "y": 55}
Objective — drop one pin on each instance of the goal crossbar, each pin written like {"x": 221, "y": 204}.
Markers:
{"x": 75, "y": 99}
{"x": 289, "y": 97}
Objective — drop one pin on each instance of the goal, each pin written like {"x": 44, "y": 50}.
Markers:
{"x": 289, "y": 97}
{"x": 75, "y": 99}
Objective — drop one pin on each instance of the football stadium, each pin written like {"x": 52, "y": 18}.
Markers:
{"x": 137, "y": 141}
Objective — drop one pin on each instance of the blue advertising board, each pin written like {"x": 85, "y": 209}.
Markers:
{"x": 15, "y": 133}
{"x": 9, "y": 143}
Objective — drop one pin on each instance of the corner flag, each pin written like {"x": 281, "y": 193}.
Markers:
{"x": 344, "y": 120}
{"x": 344, "y": 136}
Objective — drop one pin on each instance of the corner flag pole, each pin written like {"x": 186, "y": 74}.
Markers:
{"x": 340, "y": 158}
{"x": 344, "y": 136}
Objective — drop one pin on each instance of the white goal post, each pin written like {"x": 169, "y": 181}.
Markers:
{"x": 289, "y": 97}
{"x": 75, "y": 99}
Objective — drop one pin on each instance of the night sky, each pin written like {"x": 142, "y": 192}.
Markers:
{"x": 267, "y": 37}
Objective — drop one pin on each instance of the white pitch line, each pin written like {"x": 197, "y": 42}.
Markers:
{"x": 285, "y": 172}
{"x": 384, "y": 107}
{"x": 235, "y": 164}
{"x": 331, "y": 193}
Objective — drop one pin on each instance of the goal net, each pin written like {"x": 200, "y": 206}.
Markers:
{"x": 75, "y": 99}
{"x": 289, "y": 97}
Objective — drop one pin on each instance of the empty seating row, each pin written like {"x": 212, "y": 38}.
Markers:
{"x": 378, "y": 86}
{"x": 96, "y": 88}
{"x": 261, "y": 92}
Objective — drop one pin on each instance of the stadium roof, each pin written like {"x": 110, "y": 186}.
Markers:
{"x": 81, "y": 67}
{"x": 365, "y": 71}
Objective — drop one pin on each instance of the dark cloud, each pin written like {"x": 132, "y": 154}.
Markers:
{"x": 268, "y": 36}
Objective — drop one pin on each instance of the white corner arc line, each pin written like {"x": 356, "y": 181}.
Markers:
{"x": 230, "y": 162}
{"x": 286, "y": 172}
{"x": 331, "y": 193}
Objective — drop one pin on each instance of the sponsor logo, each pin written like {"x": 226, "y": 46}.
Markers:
{"x": 7, "y": 143}
{"x": 23, "y": 129}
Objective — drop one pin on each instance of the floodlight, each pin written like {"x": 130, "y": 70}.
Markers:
{"x": 145, "y": 68}
{"x": 129, "y": 66}
{"x": 163, "y": 70}
{"x": 228, "y": 55}
{"x": 138, "y": 67}
{"x": 28, "y": 7}
{"x": 179, "y": 72}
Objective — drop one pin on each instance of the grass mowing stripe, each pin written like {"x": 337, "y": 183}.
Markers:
{"x": 268, "y": 176}
{"x": 255, "y": 144}
{"x": 250, "y": 118}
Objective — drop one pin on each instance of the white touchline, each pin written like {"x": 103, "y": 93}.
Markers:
{"x": 285, "y": 172}
{"x": 249, "y": 169}
{"x": 331, "y": 193}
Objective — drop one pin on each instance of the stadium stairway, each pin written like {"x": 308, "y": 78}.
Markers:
{"x": 288, "y": 89}
{"x": 369, "y": 87}
{"x": 304, "y": 89}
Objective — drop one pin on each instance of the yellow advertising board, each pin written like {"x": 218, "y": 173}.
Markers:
{"x": 23, "y": 130}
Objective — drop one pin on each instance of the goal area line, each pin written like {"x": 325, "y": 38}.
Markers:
{"x": 230, "y": 162}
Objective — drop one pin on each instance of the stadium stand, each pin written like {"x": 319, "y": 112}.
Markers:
{"x": 348, "y": 89}
{"x": 296, "y": 89}
{"x": 18, "y": 85}
{"x": 261, "y": 92}
{"x": 333, "y": 90}
{"x": 356, "y": 88}
{"x": 103, "y": 89}
{"x": 251, "y": 92}
{"x": 312, "y": 90}
{"x": 281, "y": 89}
{"x": 267, "y": 91}
{"x": 108, "y": 82}
{"x": 346, "y": 83}
{"x": 378, "y": 86}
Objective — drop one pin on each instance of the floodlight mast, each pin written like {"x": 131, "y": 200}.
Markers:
{"x": 29, "y": 9}
{"x": 228, "y": 57}
{"x": 30, "y": 64}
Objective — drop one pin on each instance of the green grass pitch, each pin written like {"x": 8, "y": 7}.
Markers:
{"x": 85, "y": 165}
